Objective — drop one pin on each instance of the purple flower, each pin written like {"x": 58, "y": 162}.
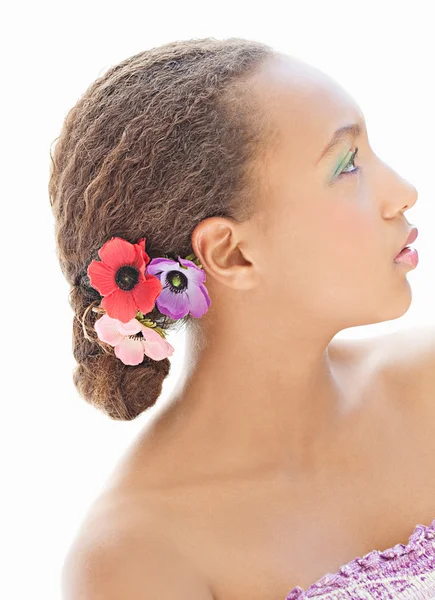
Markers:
{"x": 182, "y": 287}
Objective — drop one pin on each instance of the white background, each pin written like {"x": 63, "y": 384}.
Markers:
{"x": 56, "y": 449}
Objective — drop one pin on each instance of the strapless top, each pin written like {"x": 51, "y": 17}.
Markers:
{"x": 405, "y": 572}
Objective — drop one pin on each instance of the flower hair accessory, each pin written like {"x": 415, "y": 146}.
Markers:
{"x": 131, "y": 286}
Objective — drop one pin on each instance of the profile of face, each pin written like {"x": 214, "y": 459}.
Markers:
{"x": 331, "y": 223}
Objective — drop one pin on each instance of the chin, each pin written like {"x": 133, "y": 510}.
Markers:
{"x": 398, "y": 302}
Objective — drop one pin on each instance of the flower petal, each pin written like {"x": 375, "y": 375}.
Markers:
{"x": 155, "y": 346}
{"x": 175, "y": 305}
{"x": 117, "y": 252}
{"x": 141, "y": 243}
{"x": 139, "y": 259}
{"x": 102, "y": 277}
{"x": 146, "y": 292}
{"x": 193, "y": 273}
{"x": 120, "y": 305}
{"x": 130, "y": 352}
{"x": 130, "y": 328}
{"x": 108, "y": 330}
{"x": 161, "y": 265}
{"x": 199, "y": 300}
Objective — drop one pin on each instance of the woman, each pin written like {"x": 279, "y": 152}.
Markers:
{"x": 196, "y": 184}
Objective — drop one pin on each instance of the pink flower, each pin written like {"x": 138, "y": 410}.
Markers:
{"x": 132, "y": 340}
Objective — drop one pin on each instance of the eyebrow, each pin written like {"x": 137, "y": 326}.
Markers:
{"x": 353, "y": 130}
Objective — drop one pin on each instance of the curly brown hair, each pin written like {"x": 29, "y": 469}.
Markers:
{"x": 161, "y": 141}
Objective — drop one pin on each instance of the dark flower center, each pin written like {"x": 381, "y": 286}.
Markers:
{"x": 126, "y": 277}
{"x": 137, "y": 336}
{"x": 177, "y": 280}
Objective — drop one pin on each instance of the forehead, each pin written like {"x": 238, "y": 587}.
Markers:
{"x": 304, "y": 106}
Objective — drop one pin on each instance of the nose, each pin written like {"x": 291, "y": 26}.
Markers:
{"x": 401, "y": 195}
{"x": 408, "y": 196}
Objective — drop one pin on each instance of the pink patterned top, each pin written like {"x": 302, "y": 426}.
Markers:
{"x": 405, "y": 572}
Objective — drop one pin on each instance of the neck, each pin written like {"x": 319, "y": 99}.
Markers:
{"x": 261, "y": 399}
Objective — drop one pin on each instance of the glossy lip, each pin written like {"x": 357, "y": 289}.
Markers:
{"x": 412, "y": 236}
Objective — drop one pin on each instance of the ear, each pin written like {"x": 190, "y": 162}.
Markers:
{"x": 216, "y": 242}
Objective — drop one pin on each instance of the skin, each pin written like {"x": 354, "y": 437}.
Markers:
{"x": 263, "y": 387}
{"x": 276, "y": 434}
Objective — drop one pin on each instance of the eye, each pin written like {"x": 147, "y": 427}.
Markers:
{"x": 350, "y": 162}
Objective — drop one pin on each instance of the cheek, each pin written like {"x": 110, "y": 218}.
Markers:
{"x": 354, "y": 233}
{"x": 336, "y": 233}
{"x": 355, "y": 268}
{"x": 327, "y": 246}
{"x": 334, "y": 255}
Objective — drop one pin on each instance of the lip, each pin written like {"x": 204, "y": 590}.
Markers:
{"x": 412, "y": 236}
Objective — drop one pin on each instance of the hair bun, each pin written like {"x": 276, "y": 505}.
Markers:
{"x": 122, "y": 391}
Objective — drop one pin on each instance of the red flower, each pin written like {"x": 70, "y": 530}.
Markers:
{"x": 121, "y": 278}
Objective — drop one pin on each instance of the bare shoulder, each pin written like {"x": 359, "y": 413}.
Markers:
{"x": 405, "y": 360}
{"x": 112, "y": 563}
{"x": 410, "y": 353}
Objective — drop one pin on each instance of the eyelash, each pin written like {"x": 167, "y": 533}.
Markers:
{"x": 351, "y": 161}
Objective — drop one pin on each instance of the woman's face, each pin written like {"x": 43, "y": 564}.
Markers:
{"x": 330, "y": 224}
